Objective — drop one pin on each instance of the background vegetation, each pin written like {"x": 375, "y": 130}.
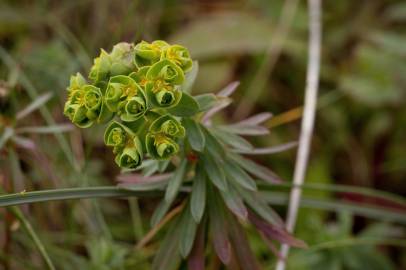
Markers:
{"x": 359, "y": 138}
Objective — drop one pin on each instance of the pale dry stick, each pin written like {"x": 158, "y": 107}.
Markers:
{"x": 270, "y": 58}
{"x": 312, "y": 81}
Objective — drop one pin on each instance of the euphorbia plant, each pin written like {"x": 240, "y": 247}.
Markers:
{"x": 155, "y": 126}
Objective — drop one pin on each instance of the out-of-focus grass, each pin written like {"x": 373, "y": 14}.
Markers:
{"x": 360, "y": 126}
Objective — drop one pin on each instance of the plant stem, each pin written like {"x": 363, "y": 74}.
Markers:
{"x": 312, "y": 81}
{"x": 27, "y": 226}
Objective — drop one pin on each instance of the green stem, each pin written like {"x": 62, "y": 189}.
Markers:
{"x": 71, "y": 193}
{"x": 27, "y": 226}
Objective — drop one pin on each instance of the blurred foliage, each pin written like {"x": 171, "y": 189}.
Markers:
{"x": 359, "y": 136}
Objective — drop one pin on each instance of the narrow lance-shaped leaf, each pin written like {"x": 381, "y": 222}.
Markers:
{"x": 190, "y": 78}
{"x": 241, "y": 246}
{"x": 219, "y": 228}
{"x": 254, "y": 201}
{"x": 239, "y": 176}
{"x": 168, "y": 257}
{"x": 275, "y": 232}
{"x": 198, "y": 195}
{"x": 175, "y": 182}
{"x": 235, "y": 203}
{"x": 187, "y": 232}
{"x": 187, "y": 106}
{"x": 196, "y": 258}
{"x": 195, "y": 135}
{"x": 206, "y": 101}
{"x": 260, "y": 171}
{"x": 232, "y": 140}
{"x": 214, "y": 171}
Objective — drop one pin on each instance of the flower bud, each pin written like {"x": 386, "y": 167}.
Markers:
{"x": 101, "y": 67}
{"x": 180, "y": 56}
{"x": 146, "y": 54}
{"x": 122, "y": 57}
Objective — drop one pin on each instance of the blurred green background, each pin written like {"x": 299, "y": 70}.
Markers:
{"x": 360, "y": 132}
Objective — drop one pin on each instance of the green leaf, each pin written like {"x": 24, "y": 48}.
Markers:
{"x": 259, "y": 171}
{"x": 46, "y": 129}
{"x": 198, "y": 195}
{"x": 30, "y": 230}
{"x": 206, "y": 101}
{"x": 167, "y": 257}
{"x": 218, "y": 227}
{"x": 70, "y": 194}
{"x": 160, "y": 212}
{"x": 365, "y": 210}
{"x": 259, "y": 205}
{"x": 232, "y": 140}
{"x": 241, "y": 246}
{"x": 187, "y": 106}
{"x": 175, "y": 182}
{"x": 187, "y": 232}
{"x": 214, "y": 171}
{"x": 213, "y": 146}
{"x": 190, "y": 78}
{"x": 235, "y": 203}
{"x": 8, "y": 132}
{"x": 195, "y": 135}
{"x": 239, "y": 176}
{"x": 36, "y": 104}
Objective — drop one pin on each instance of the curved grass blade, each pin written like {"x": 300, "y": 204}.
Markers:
{"x": 370, "y": 211}
{"x": 30, "y": 230}
{"x": 46, "y": 129}
{"x": 71, "y": 194}
{"x": 34, "y": 105}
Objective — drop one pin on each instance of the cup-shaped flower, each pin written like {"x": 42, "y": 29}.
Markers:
{"x": 85, "y": 103}
{"x": 122, "y": 57}
{"x": 129, "y": 158}
{"x": 126, "y": 97}
{"x": 140, "y": 76}
{"x": 160, "y": 146}
{"x": 180, "y": 56}
{"x": 146, "y": 54}
{"x": 126, "y": 145}
{"x": 101, "y": 67}
{"x": 163, "y": 79}
{"x": 133, "y": 109}
{"x": 168, "y": 125}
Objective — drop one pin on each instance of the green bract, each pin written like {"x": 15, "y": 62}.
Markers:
{"x": 147, "y": 54}
{"x": 163, "y": 80}
{"x": 126, "y": 97}
{"x": 85, "y": 103}
{"x": 126, "y": 145}
{"x": 160, "y": 140}
{"x": 180, "y": 56}
{"x": 101, "y": 67}
{"x": 118, "y": 62}
{"x": 140, "y": 85}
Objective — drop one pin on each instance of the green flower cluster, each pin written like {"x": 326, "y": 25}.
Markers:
{"x": 133, "y": 87}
